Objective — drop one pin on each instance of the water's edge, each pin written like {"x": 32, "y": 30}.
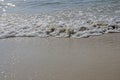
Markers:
{"x": 68, "y": 24}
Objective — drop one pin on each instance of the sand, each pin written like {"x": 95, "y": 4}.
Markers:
{"x": 94, "y": 58}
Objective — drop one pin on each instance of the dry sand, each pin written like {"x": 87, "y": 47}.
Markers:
{"x": 94, "y": 58}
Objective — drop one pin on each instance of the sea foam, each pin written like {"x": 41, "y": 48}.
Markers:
{"x": 72, "y": 24}
{"x": 77, "y": 21}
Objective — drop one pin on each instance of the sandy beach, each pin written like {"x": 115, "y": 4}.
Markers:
{"x": 94, "y": 58}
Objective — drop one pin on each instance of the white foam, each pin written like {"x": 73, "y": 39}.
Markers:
{"x": 58, "y": 24}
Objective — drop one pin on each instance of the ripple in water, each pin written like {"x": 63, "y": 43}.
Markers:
{"x": 4, "y": 5}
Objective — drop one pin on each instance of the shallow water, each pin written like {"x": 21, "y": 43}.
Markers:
{"x": 59, "y": 18}
{"x": 35, "y": 6}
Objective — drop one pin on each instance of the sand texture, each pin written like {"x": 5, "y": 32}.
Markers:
{"x": 94, "y": 58}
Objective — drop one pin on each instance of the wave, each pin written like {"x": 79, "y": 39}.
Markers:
{"x": 65, "y": 18}
{"x": 72, "y": 24}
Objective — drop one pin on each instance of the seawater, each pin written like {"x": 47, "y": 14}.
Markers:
{"x": 58, "y": 18}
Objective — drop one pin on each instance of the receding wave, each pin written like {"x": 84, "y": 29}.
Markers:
{"x": 73, "y": 24}
{"x": 78, "y": 21}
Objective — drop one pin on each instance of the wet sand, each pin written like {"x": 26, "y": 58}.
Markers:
{"x": 94, "y": 58}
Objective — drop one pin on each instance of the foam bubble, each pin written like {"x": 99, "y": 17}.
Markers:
{"x": 58, "y": 24}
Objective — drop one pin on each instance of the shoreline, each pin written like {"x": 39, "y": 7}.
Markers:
{"x": 61, "y": 24}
